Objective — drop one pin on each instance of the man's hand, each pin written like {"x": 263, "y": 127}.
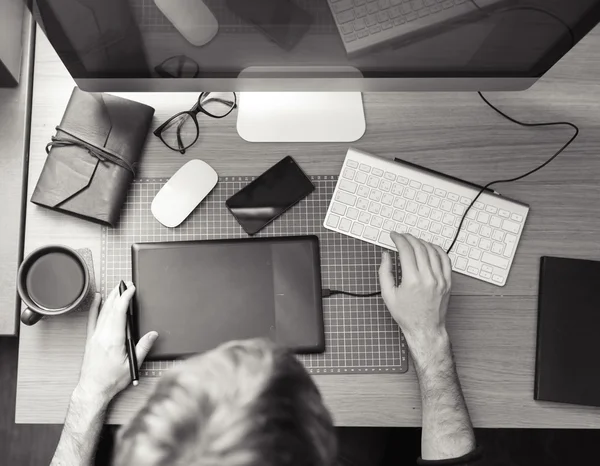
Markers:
{"x": 419, "y": 304}
{"x": 105, "y": 368}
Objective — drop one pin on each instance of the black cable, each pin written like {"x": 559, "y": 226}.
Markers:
{"x": 326, "y": 293}
{"x": 517, "y": 178}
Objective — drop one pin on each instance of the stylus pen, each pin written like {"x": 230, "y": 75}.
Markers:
{"x": 133, "y": 365}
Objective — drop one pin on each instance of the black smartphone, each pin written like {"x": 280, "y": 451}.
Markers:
{"x": 282, "y": 21}
{"x": 270, "y": 195}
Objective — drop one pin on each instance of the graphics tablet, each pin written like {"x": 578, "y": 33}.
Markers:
{"x": 199, "y": 294}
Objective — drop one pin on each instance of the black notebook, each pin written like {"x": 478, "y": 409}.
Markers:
{"x": 568, "y": 335}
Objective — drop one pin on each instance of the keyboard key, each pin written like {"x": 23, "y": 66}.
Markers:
{"x": 435, "y": 228}
{"x": 374, "y": 207}
{"x": 357, "y": 229}
{"x": 458, "y": 209}
{"x": 424, "y": 211}
{"x": 386, "y": 240}
{"x": 472, "y": 240}
{"x": 377, "y": 172}
{"x": 364, "y": 217}
{"x": 498, "y": 235}
{"x": 426, "y": 236}
{"x": 510, "y": 242}
{"x": 361, "y": 12}
{"x": 438, "y": 241}
{"x": 371, "y": 233}
{"x": 399, "y": 203}
{"x": 422, "y": 197}
{"x": 486, "y": 275}
{"x": 363, "y": 191}
{"x": 385, "y": 185}
{"x": 472, "y": 214}
{"x": 395, "y": 11}
{"x": 496, "y": 222}
{"x": 345, "y": 198}
{"x": 362, "y": 34}
{"x": 389, "y": 225}
{"x": 376, "y": 221}
{"x": 453, "y": 197}
{"x": 342, "y": 5}
{"x": 412, "y": 207}
{"x": 371, "y": 20}
{"x": 352, "y": 163}
{"x": 365, "y": 168}
{"x": 448, "y": 4}
{"x": 498, "y": 279}
{"x": 473, "y": 270}
{"x": 448, "y": 219}
{"x": 360, "y": 24}
{"x": 417, "y": 4}
{"x": 462, "y": 249}
{"x": 483, "y": 217}
{"x": 384, "y": 4}
{"x": 409, "y": 193}
{"x": 402, "y": 180}
{"x": 406, "y": 9}
{"x": 397, "y": 189}
{"x": 479, "y": 205}
{"x": 348, "y": 186}
{"x": 462, "y": 236}
{"x": 415, "y": 232}
{"x": 411, "y": 220}
{"x": 387, "y": 199}
{"x": 352, "y": 213}
{"x": 350, "y": 37}
{"x": 375, "y": 195}
{"x": 383, "y": 16}
{"x": 389, "y": 176}
{"x": 386, "y": 211}
{"x": 485, "y": 231}
{"x": 427, "y": 188}
{"x": 504, "y": 213}
{"x": 494, "y": 260}
{"x": 362, "y": 204}
{"x": 338, "y": 208}
{"x": 446, "y": 205}
{"x": 475, "y": 253}
{"x": 485, "y": 244}
{"x": 465, "y": 201}
{"x": 473, "y": 227}
{"x": 347, "y": 28}
{"x": 333, "y": 221}
{"x": 375, "y": 29}
{"x": 345, "y": 224}
{"x": 491, "y": 209}
{"x": 373, "y": 182}
{"x": 415, "y": 184}
{"x": 400, "y": 228}
{"x": 434, "y": 201}
{"x": 423, "y": 223}
{"x": 487, "y": 268}
{"x": 436, "y": 215}
{"x": 345, "y": 17}
{"x": 360, "y": 178}
{"x": 448, "y": 232}
{"x": 511, "y": 227}
{"x": 497, "y": 248}
{"x": 461, "y": 263}
{"x": 349, "y": 173}
{"x": 517, "y": 217}
{"x": 436, "y": 8}
{"x": 398, "y": 215}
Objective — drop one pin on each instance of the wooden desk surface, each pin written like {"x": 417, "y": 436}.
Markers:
{"x": 492, "y": 329}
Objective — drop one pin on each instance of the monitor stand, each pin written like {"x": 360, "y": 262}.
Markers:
{"x": 301, "y": 116}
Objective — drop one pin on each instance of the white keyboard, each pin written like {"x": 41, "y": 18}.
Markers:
{"x": 364, "y": 24}
{"x": 374, "y": 196}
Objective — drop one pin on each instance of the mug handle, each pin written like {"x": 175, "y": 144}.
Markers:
{"x": 29, "y": 317}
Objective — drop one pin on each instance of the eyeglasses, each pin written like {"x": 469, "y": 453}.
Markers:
{"x": 181, "y": 131}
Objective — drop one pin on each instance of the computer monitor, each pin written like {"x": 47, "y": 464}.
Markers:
{"x": 330, "y": 50}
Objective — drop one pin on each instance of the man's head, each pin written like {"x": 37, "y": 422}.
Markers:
{"x": 245, "y": 403}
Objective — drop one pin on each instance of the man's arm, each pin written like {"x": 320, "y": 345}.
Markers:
{"x": 419, "y": 305}
{"x": 104, "y": 373}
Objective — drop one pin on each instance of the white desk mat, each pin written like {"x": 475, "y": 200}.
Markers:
{"x": 361, "y": 336}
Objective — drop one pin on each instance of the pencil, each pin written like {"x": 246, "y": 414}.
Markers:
{"x": 130, "y": 344}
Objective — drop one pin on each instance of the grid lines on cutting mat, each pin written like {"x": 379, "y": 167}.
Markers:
{"x": 361, "y": 336}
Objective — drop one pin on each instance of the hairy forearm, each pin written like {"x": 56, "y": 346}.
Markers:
{"x": 81, "y": 431}
{"x": 447, "y": 429}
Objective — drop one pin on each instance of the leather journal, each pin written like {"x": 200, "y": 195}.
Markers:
{"x": 92, "y": 159}
{"x": 566, "y": 366}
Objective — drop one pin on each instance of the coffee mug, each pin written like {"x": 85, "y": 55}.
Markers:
{"x": 52, "y": 280}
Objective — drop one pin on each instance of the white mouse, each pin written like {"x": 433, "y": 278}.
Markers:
{"x": 183, "y": 192}
{"x": 191, "y": 18}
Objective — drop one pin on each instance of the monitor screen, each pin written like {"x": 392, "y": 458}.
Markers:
{"x": 384, "y": 41}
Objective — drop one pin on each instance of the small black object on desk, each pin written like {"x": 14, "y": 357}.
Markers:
{"x": 130, "y": 341}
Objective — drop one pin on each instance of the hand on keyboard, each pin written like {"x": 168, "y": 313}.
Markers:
{"x": 419, "y": 303}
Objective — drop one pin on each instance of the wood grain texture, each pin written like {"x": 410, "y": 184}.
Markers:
{"x": 14, "y": 107}
{"x": 492, "y": 329}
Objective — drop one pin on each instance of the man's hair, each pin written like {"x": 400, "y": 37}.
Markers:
{"x": 246, "y": 403}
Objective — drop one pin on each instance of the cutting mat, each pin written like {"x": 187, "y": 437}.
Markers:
{"x": 361, "y": 336}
